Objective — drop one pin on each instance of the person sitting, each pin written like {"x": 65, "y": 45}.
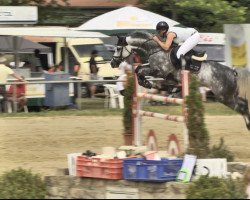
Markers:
{"x": 189, "y": 37}
{"x": 55, "y": 68}
{"x": 20, "y": 95}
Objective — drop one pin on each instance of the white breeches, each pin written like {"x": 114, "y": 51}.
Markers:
{"x": 189, "y": 44}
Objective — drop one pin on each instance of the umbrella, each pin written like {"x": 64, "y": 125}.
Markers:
{"x": 125, "y": 20}
{"x": 7, "y": 44}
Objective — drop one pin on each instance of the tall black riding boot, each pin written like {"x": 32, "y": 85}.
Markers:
{"x": 183, "y": 61}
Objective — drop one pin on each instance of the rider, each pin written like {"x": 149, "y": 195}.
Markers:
{"x": 189, "y": 37}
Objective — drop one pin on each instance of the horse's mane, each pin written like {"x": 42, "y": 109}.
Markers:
{"x": 141, "y": 34}
{"x": 147, "y": 47}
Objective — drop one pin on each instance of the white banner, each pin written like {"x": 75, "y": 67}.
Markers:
{"x": 18, "y": 14}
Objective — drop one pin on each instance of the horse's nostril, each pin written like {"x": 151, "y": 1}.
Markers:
{"x": 112, "y": 63}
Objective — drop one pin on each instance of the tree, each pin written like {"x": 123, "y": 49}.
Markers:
{"x": 205, "y": 15}
{"x": 211, "y": 14}
{"x": 198, "y": 134}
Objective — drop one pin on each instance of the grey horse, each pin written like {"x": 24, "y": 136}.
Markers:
{"x": 221, "y": 79}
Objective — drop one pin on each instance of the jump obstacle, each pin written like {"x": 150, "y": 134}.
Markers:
{"x": 138, "y": 113}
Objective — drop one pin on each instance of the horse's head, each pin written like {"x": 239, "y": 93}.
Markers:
{"x": 122, "y": 51}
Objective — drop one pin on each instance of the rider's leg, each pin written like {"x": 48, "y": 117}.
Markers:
{"x": 189, "y": 44}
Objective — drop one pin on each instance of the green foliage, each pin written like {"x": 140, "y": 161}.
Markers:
{"x": 128, "y": 103}
{"x": 198, "y": 134}
{"x": 21, "y": 184}
{"x": 221, "y": 151}
{"x": 216, "y": 188}
{"x": 205, "y": 15}
{"x": 210, "y": 13}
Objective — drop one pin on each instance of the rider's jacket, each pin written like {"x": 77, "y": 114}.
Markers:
{"x": 182, "y": 34}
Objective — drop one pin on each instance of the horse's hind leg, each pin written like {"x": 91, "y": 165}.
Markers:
{"x": 241, "y": 106}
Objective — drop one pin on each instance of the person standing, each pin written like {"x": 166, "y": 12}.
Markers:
{"x": 93, "y": 73}
{"x": 122, "y": 80}
{"x": 4, "y": 73}
{"x": 34, "y": 62}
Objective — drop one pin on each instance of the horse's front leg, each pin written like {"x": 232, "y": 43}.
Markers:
{"x": 142, "y": 71}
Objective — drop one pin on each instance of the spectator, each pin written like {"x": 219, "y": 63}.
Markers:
{"x": 4, "y": 73}
{"x": 55, "y": 68}
{"x": 93, "y": 73}
{"x": 20, "y": 95}
{"x": 122, "y": 80}
{"x": 35, "y": 62}
{"x": 38, "y": 61}
{"x": 76, "y": 69}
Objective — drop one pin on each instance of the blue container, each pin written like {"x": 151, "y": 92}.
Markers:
{"x": 57, "y": 94}
{"x": 140, "y": 169}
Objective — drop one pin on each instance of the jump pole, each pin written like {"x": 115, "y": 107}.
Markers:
{"x": 138, "y": 113}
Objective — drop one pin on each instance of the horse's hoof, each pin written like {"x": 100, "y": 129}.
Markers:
{"x": 248, "y": 127}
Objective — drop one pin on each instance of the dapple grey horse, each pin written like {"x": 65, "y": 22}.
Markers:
{"x": 221, "y": 79}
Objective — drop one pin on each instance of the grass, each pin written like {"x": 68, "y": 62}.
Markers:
{"x": 95, "y": 107}
{"x": 211, "y": 108}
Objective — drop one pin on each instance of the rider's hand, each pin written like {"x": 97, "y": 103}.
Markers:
{"x": 155, "y": 38}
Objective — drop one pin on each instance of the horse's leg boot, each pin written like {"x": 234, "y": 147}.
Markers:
{"x": 144, "y": 83}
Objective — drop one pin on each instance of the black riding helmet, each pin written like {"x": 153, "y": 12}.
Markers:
{"x": 162, "y": 26}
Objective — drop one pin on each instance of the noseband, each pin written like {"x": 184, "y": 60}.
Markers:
{"x": 120, "y": 57}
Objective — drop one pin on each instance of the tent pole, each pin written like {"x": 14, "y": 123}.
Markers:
{"x": 66, "y": 56}
{"x": 15, "y": 50}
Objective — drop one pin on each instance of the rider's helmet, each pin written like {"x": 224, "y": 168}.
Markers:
{"x": 162, "y": 26}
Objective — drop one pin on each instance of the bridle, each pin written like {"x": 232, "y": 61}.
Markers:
{"x": 120, "y": 57}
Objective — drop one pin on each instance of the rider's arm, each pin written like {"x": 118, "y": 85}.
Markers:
{"x": 17, "y": 77}
{"x": 166, "y": 45}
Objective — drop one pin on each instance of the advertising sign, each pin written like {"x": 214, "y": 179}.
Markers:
{"x": 237, "y": 49}
{"x": 18, "y": 15}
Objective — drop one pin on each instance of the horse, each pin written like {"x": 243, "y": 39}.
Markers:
{"x": 221, "y": 79}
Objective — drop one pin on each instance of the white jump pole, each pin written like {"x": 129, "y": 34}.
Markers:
{"x": 138, "y": 113}
{"x": 136, "y": 118}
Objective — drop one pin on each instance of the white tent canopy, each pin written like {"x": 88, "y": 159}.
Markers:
{"x": 124, "y": 20}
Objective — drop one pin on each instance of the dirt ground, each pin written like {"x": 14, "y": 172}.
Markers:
{"x": 42, "y": 143}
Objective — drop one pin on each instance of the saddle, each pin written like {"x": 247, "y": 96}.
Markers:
{"x": 193, "y": 59}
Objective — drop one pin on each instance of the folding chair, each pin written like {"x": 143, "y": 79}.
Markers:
{"x": 112, "y": 96}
